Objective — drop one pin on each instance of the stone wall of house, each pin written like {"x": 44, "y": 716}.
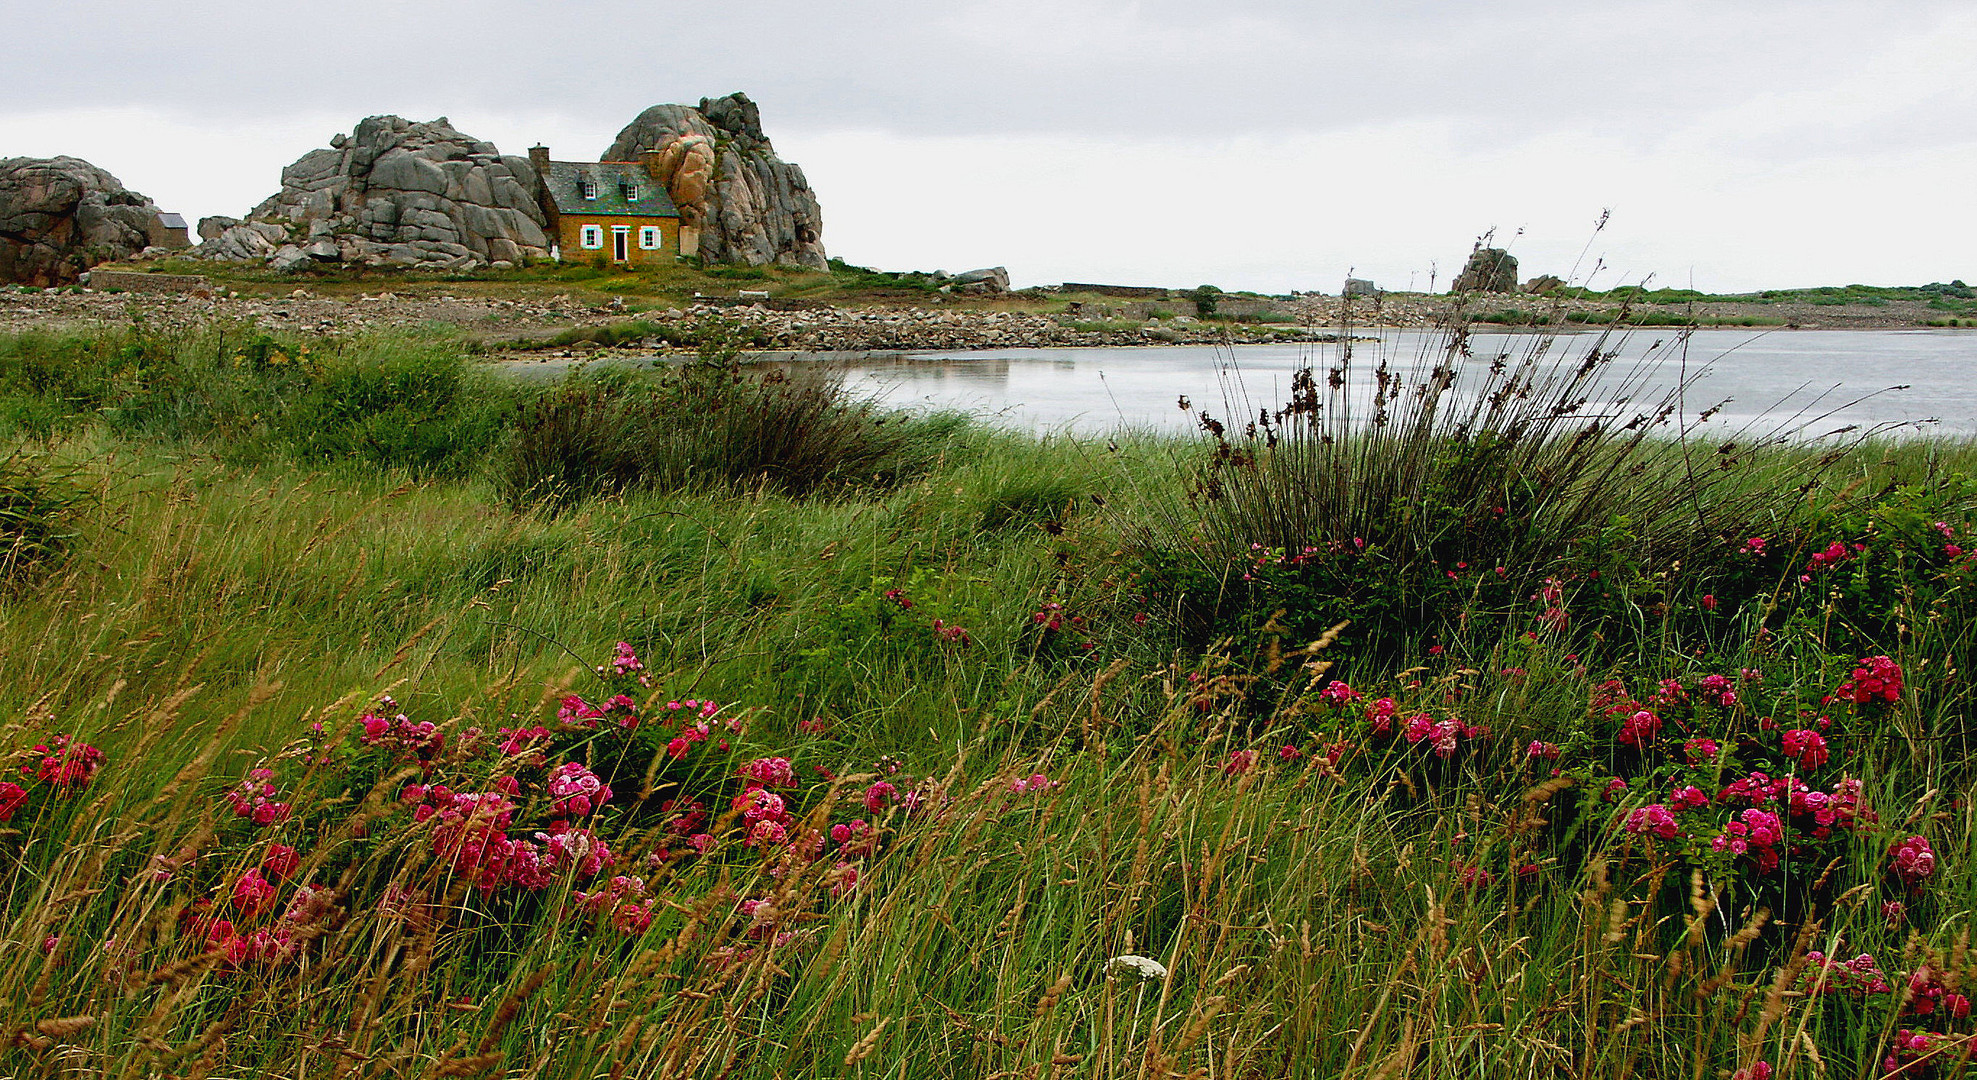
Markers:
{"x": 569, "y": 234}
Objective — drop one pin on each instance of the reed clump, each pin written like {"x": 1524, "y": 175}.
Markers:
{"x": 1426, "y": 499}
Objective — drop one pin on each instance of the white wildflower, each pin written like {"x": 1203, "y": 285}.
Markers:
{"x": 1143, "y": 966}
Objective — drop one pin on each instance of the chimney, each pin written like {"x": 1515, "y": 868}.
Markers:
{"x": 539, "y": 159}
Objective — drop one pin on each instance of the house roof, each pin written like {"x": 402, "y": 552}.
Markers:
{"x": 613, "y": 178}
{"x": 170, "y": 220}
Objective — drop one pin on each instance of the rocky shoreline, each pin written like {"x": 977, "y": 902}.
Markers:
{"x": 528, "y": 326}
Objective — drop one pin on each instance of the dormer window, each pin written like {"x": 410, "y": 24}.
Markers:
{"x": 631, "y": 192}
{"x": 587, "y": 187}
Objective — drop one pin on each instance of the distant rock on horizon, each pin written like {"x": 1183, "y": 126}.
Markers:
{"x": 60, "y": 216}
{"x": 1489, "y": 270}
{"x": 749, "y": 205}
{"x": 394, "y": 192}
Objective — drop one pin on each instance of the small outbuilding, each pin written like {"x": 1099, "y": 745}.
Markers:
{"x": 167, "y": 230}
{"x": 616, "y": 210}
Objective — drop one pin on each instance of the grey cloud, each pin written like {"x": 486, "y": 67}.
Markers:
{"x": 1636, "y": 69}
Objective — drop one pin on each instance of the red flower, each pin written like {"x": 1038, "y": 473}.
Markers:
{"x": 69, "y": 764}
{"x": 281, "y": 861}
{"x": 1640, "y": 729}
{"x": 1806, "y": 747}
{"x": 1876, "y": 678}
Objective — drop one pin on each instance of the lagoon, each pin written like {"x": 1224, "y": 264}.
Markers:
{"x": 1829, "y": 379}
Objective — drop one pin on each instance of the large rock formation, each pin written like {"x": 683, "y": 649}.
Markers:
{"x": 60, "y": 216}
{"x": 748, "y": 205}
{"x": 1488, "y": 270}
{"x": 399, "y": 193}
{"x": 394, "y": 192}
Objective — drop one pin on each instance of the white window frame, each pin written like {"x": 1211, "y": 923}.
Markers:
{"x": 587, "y": 187}
{"x": 650, "y": 238}
{"x": 631, "y": 192}
{"x": 592, "y": 237}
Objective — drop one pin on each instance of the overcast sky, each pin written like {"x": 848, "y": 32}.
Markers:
{"x": 1266, "y": 144}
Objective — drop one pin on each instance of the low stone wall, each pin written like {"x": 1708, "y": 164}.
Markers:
{"x": 128, "y": 281}
{"x": 1112, "y": 290}
{"x": 1143, "y": 310}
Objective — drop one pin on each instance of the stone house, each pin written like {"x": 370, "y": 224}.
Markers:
{"x": 167, "y": 230}
{"x": 615, "y": 209}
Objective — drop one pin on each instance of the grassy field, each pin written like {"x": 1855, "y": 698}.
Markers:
{"x": 367, "y": 716}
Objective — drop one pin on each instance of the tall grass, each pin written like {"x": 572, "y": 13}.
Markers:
{"x": 1315, "y": 917}
{"x": 1065, "y": 782}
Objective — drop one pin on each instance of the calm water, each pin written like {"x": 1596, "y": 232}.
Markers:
{"x": 1771, "y": 374}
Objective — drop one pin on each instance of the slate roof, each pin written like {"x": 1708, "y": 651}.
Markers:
{"x": 171, "y": 221}
{"x": 612, "y": 179}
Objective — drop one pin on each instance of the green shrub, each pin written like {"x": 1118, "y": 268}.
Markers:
{"x": 402, "y": 403}
{"x": 1103, "y": 326}
{"x": 1515, "y": 317}
{"x": 711, "y": 425}
{"x": 864, "y": 277}
{"x": 401, "y": 400}
{"x": 36, "y": 507}
{"x": 622, "y": 333}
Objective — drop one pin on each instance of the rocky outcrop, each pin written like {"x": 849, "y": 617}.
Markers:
{"x": 241, "y": 241}
{"x": 1544, "y": 285}
{"x": 394, "y": 192}
{"x": 1488, "y": 270}
{"x": 60, "y": 216}
{"x": 993, "y": 279}
{"x": 210, "y": 228}
{"x": 748, "y": 205}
